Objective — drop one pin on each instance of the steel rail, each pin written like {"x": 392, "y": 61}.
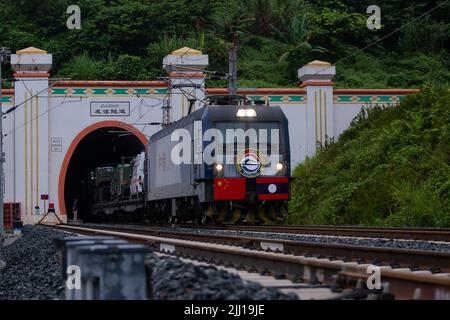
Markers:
{"x": 403, "y": 282}
{"x": 436, "y": 261}
{"x": 429, "y": 234}
{"x": 426, "y": 234}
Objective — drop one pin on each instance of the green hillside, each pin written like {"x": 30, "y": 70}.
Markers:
{"x": 391, "y": 167}
{"x": 127, "y": 39}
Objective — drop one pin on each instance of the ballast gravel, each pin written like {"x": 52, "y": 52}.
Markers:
{"x": 174, "y": 279}
{"x": 32, "y": 270}
{"x": 340, "y": 240}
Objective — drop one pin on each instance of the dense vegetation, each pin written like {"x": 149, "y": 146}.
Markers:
{"x": 127, "y": 39}
{"x": 391, "y": 167}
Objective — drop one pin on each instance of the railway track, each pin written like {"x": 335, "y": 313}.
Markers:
{"x": 426, "y": 234}
{"x": 410, "y": 273}
{"x": 435, "y": 261}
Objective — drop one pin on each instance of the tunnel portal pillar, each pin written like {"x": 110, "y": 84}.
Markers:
{"x": 29, "y": 158}
{"x": 316, "y": 77}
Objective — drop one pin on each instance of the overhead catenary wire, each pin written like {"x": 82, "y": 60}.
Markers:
{"x": 199, "y": 86}
{"x": 139, "y": 104}
{"x": 59, "y": 105}
{"x": 185, "y": 93}
{"x": 183, "y": 56}
{"x": 161, "y": 100}
{"x": 38, "y": 116}
{"x": 46, "y": 111}
{"x": 45, "y": 89}
{"x": 391, "y": 33}
{"x": 150, "y": 108}
{"x": 49, "y": 110}
{"x": 358, "y": 51}
{"x": 30, "y": 98}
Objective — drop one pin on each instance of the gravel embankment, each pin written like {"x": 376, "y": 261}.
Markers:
{"x": 174, "y": 279}
{"x": 33, "y": 271}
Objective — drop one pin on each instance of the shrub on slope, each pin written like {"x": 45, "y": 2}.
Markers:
{"x": 391, "y": 167}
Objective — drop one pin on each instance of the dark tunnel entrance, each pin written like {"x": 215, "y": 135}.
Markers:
{"x": 103, "y": 146}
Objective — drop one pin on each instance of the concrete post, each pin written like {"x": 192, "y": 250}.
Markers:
{"x": 316, "y": 78}
{"x": 185, "y": 68}
{"x": 31, "y": 120}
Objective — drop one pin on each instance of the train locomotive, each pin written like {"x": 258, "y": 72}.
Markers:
{"x": 219, "y": 164}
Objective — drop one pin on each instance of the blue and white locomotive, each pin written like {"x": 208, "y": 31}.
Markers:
{"x": 221, "y": 163}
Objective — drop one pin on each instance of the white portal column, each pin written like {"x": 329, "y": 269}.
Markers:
{"x": 31, "y": 125}
{"x": 185, "y": 68}
{"x": 316, "y": 78}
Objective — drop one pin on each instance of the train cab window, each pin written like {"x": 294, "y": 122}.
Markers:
{"x": 264, "y": 136}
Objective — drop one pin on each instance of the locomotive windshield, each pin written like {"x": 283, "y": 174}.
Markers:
{"x": 261, "y": 136}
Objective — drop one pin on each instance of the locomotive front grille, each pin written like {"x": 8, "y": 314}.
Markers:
{"x": 251, "y": 195}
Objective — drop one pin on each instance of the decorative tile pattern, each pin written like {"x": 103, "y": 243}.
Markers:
{"x": 150, "y": 91}
{"x": 283, "y": 99}
{"x": 7, "y": 99}
{"x": 278, "y": 98}
{"x": 368, "y": 99}
{"x": 107, "y": 91}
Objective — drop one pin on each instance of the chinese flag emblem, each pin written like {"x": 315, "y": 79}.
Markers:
{"x": 229, "y": 188}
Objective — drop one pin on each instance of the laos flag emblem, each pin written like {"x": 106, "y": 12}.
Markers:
{"x": 272, "y": 188}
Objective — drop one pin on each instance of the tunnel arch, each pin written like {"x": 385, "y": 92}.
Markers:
{"x": 76, "y": 142}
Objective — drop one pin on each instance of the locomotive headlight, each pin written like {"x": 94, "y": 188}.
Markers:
{"x": 218, "y": 169}
{"x": 246, "y": 113}
{"x": 279, "y": 166}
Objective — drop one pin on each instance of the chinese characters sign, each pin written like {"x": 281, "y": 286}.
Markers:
{"x": 56, "y": 144}
{"x": 110, "y": 109}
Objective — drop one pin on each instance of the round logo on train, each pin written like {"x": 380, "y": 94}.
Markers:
{"x": 249, "y": 163}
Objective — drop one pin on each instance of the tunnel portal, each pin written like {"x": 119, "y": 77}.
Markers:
{"x": 104, "y": 146}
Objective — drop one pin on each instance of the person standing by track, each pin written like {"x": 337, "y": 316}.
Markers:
{"x": 75, "y": 210}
